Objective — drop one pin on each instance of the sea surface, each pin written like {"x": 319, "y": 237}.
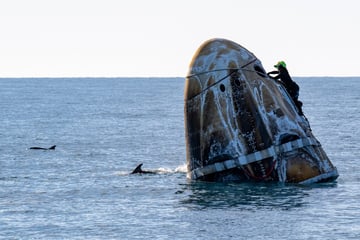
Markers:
{"x": 104, "y": 127}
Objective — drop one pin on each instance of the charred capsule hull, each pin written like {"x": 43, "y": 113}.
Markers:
{"x": 241, "y": 125}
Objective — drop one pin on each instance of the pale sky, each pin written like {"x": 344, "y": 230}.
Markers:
{"x": 157, "y": 38}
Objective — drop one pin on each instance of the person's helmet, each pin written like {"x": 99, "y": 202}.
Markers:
{"x": 280, "y": 63}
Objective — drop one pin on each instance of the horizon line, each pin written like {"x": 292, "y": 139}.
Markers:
{"x": 113, "y": 77}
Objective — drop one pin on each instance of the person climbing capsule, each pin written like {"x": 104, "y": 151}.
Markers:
{"x": 291, "y": 87}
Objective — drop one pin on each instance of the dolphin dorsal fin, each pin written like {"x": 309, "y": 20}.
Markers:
{"x": 137, "y": 169}
{"x": 52, "y": 147}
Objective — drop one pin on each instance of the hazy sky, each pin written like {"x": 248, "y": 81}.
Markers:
{"x": 115, "y": 38}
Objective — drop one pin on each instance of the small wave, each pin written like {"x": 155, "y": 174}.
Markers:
{"x": 178, "y": 169}
{"x": 122, "y": 173}
{"x": 181, "y": 168}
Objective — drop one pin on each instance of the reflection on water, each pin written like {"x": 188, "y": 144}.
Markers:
{"x": 250, "y": 196}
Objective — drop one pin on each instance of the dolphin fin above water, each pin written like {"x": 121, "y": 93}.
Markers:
{"x": 41, "y": 148}
{"x": 139, "y": 170}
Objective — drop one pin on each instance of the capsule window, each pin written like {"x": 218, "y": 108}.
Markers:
{"x": 222, "y": 87}
{"x": 260, "y": 71}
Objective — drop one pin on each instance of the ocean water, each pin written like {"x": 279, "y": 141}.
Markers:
{"x": 104, "y": 127}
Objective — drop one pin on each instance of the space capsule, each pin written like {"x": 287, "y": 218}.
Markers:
{"x": 241, "y": 125}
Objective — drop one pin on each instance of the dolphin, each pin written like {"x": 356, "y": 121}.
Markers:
{"x": 41, "y": 148}
{"x": 140, "y": 171}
